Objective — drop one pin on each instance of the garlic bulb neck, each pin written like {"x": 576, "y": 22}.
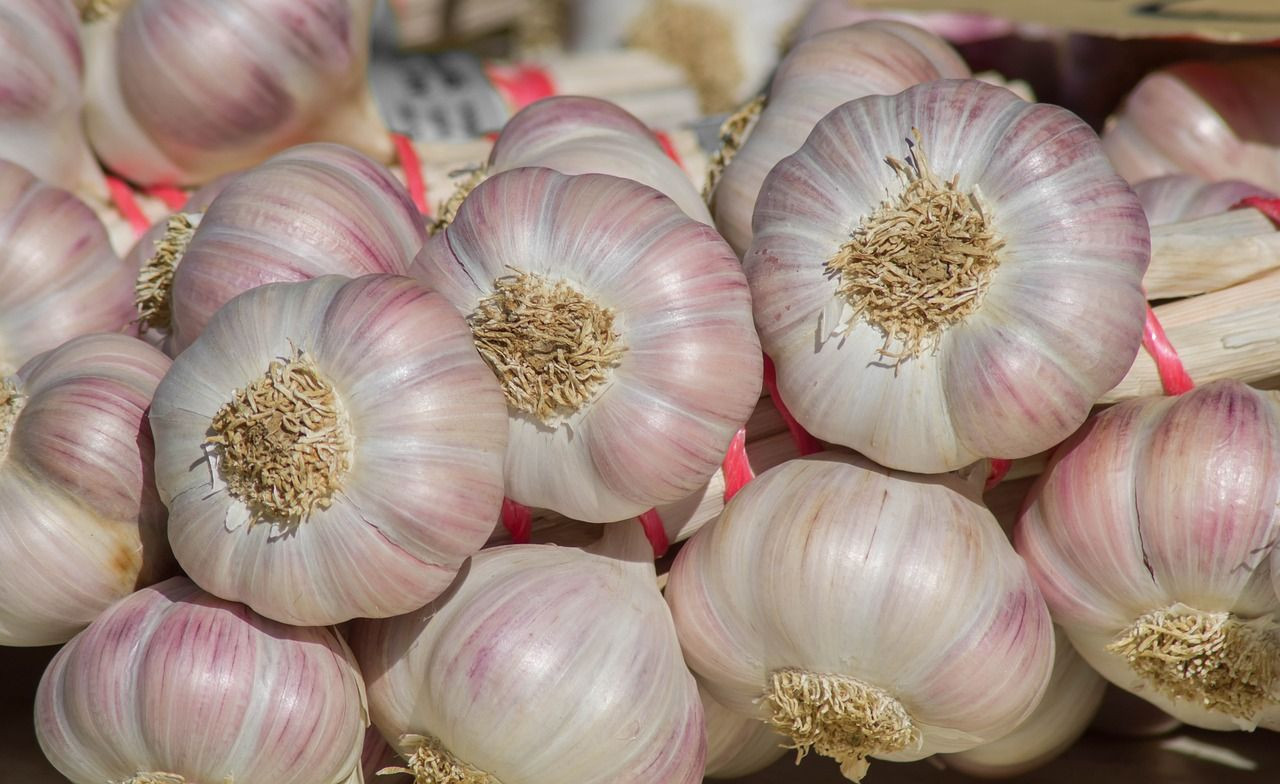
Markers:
{"x": 550, "y": 346}
{"x": 1214, "y": 659}
{"x": 449, "y": 207}
{"x": 11, "y": 402}
{"x": 432, "y": 763}
{"x": 920, "y": 263}
{"x": 839, "y": 717}
{"x": 284, "y": 441}
{"x": 733, "y": 134}
{"x": 700, "y": 40}
{"x": 153, "y": 291}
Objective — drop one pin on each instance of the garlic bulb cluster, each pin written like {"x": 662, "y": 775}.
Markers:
{"x": 540, "y": 665}
{"x": 312, "y": 210}
{"x": 41, "y": 70}
{"x": 330, "y": 449}
{"x": 59, "y": 276}
{"x": 181, "y": 91}
{"x": 1149, "y": 536}
{"x": 863, "y": 613}
{"x": 871, "y": 58}
{"x": 174, "y": 686}
{"x": 977, "y": 311}
{"x": 85, "y": 504}
{"x": 619, "y": 328}
{"x": 737, "y": 745}
{"x": 1184, "y": 197}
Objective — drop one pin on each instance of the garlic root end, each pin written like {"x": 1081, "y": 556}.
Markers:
{"x": 432, "y": 763}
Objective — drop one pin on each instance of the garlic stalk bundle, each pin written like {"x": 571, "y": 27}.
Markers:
{"x": 1149, "y": 536}
{"x": 59, "y": 276}
{"x": 313, "y": 210}
{"x": 174, "y": 686}
{"x": 619, "y": 328}
{"x": 41, "y": 91}
{"x": 181, "y": 91}
{"x": 986, "y": 328}
{"x": 737, "y": 745}
{"x": 862, "y": 612}
{"x": 76, "y": 487}
{"x": 330, "y": 449}
{"x": 540, "y": 665}
{"x": 817, "y": 76}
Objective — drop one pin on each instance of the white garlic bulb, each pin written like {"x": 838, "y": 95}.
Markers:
{"x": 737, "y": 745}
{"x": 59, "y": 276}
{"x": 619, "y": 328}
{"x": 76, "y": 487}
{"x": 1184, "y": 197}
{"x": 988, "y": 328}
{"x": 330, "y": 449}
{"x": 862, "y": 612}
{"x": 41, "y": 73}
{"x": 181, "y": 91}
{"x": 174, "y": 686}
{"x": 1149, "y": 536}
{"x": 817, "y": 76}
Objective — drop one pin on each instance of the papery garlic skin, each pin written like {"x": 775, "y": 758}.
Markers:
{"x": 1055, "y": 323}
{"x": 1184, "y": 197}
{"x": 688, "y": 365}
{"x": 899, "y": 586}
{"x": 1165, "y": 504}
{"x": 425, "y": 428}
{"x": 540, "y": 665}
{"x": 41, "y": 69}
{"x": 80, "y": 523}
{"x": 871, "y": 58}
{"x": 174, "y": 682}
{"x": 181, "y": 91}
{"x": 59, "y": 276}
{"x": 737, "y": 745}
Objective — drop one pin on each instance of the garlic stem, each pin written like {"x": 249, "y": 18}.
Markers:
{"x": 733, "y": 134}
{"x": 432, "y": 763}
{"x": 153, "y": 291}
{"x": 93, "y": 10}
{"x": 11, "y": 402}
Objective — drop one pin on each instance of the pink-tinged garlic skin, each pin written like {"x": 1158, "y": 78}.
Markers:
{"x": 691, "y": 371}
{"x": 1183, "y": 197}
{"x": 173, "y": 680}
{"x": 318, "y": 209}
{"x": 737, "y": 745}
{"x": 1158, "y": 501}
{"x": 1061, "y": 318}
{"x": 958, "y": 28}
{"x": 834, "y": 565}
{"x": 41, "y": 93}
{"x": 1215, "y": 120}
{"x": 59, "y": 276}
{"x": 181, "y": 91}
{"x": 80, "y": 522}
{"x": 541, "y": 665}
{"x": 872, "y": 58}
{"x": 579, "y": 135}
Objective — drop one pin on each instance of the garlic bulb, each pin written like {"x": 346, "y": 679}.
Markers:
{"x": 817, "y": 76}
{"x": 1010, "y": 309}
{"x": 76, "y": 487}
{"x": 174, "y": 686}
{"x": 568, "y": 657}
{"x": 953, "y": 26}
{"x": 41, "y": 68}
{"x": 1184, "y": 197}
{"x": 59, "y": 276}
{"x": 862, "y": 612}
{"x": 181, "y": 91}
{"x": 737, "y": 745}
{"x": 312, "y": 210}
{"x": 1149, "y": 536}
{"x": 619, "y": 328}
{"x": 330, "y": 449}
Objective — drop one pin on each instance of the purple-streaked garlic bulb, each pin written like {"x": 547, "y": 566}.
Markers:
{"x": 737, "y": 745}
{"x": 956, "y": 27}
{"x": 947, "y": 274}
{"x": 1184, "y": 197}
{"x": 80, "y": 522}
{"x": 1149, "y": 535}
{"x": 330, "y": 449}
{"x": 59, "y": 276}
{"x": 539, "y": 665}
{"x": 318, "y": 209}
{"x": 871, "y": 58}
{"x": 181, "y": 91}
{"x": 174, "y": 686}
{"x": 41, "y": 93}
{"x": 619, "y": 328}
{"x": 1216, "y": 120}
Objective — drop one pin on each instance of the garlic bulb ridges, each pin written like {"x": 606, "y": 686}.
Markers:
{"x": 153, "y": 292}
{"x": 733, "y": 133}
{"x": 283, "y": 443}
{"x": 431, "y": 763}
{"x": 839, "y": 717}
{"x": 1226, "y": 664}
